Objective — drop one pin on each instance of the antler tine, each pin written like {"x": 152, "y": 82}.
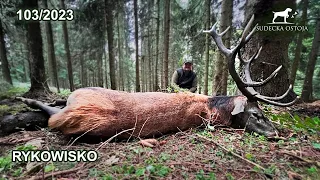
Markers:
{"x": 251, "y": 33}
{"x": 247, "y": 70}
{"x": 230, "y": 55}
{"x": 255, "y": 57}
{"x": 258, "y": 96}
{"x": 250, "y": 82}
{"x": 240, "y": 57}
{"x": 218, "y": 39}
{"x": 247, "y": 66}
{"x": 279, "y": 97}
{"x": 225, "y": 31}
{"x": 246, "y": 36}
{"x": 257, "y": 84}
{"x": 268, "y": 99}
{"x": 257, "y": 54}
{"x": 276, "y": 103}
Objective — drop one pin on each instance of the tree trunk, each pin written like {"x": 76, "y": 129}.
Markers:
{"x": 136, "y": 29}
{"x": 109, "y": 20}
{"x": 297, "y": 55}
{"x": 67, "y": 48}
{"x": 26, "y": 58}
{"x": 83, "y": 71}
{"x": 53, "y": 72}
{"x": 149, "y": 79}
{"x": 99, "y": 63}
{"x": 127, "y": 53}
{"x": 38, "y": 79}
{"x": 121, "y": 77}
{"x": 307, "y": 84}
{"x": 166, "y": 41}
{"x": 221, "y": 74}
{"x": 3, "y": 56}
{"x": 227, "y": 42}
{"x": 208, "y": 38}
{"x": 94, "y": 79}
{"x": 24, "y": 68}
{"x": 88, "y": 77}
{"x": 157, "y": 47}
{"x": 274, "y": 47}
{"x": 106, "y": 69}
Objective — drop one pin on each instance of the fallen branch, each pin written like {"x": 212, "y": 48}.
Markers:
{"x": 15, "y": 141}
{"x": 142, "y": 127}
{"x": 293, "y": 175}
{"x": 52, "y": 174}
{"x": 231, "y": 129}
{"x": 135, "y": 125}
{"x": 110, "y": 139}
{"x": 316, "y": 163}
{"x": 236, "y": 155}
{"x": 277, "y": 138}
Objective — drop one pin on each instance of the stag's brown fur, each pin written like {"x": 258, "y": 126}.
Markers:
{"x": 105, "y": 112}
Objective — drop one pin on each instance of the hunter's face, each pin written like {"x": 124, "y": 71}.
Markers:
{"x": 187, "y": 66}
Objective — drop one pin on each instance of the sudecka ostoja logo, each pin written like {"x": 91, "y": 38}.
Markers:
{"x": 281, "y": 22}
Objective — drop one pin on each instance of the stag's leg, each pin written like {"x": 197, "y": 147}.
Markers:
{"x": 59, "y": 102}
{"x": 37, "y": 104}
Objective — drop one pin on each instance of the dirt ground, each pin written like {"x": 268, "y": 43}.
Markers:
{"x": 222, "y": 153}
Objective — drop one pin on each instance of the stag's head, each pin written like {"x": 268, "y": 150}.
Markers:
{"x": 246, "y": 112}
{"x": 252, "y": 119}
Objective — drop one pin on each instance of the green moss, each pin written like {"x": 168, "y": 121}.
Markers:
{"x": 12, "y": 92}
{"x": 3, "y": 109}
{"x": 13, "y": 109}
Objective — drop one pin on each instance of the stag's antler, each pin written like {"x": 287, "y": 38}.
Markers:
{"x": 247, "y": 87}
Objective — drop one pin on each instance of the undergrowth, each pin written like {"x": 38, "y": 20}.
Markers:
{"x": 306, "y": 124}
{"x": 10, "y": 168}
{"x": 64, "y": 93}
{"x": 8, "y": 91}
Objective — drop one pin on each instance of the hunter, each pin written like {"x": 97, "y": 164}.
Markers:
{"x": 185, "y": 77}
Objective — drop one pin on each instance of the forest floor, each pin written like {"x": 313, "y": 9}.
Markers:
{"x": 203, "y": 153}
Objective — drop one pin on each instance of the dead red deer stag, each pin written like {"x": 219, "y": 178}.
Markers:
{"x": 103, "y": 112}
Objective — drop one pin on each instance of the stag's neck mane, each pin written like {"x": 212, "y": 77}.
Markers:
{"x": 221, "y": 106}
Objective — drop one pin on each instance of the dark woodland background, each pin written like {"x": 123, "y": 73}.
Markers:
{"x": 136, "y": 45}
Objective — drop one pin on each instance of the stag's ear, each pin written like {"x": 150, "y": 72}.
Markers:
{"x": 239, "y": 105}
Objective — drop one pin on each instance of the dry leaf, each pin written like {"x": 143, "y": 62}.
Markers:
{"x": 163, "y": 142}
{"x": 149, "y": 142}
{"x": 272, "y": 146}
{"x": 37, "y": 142}
{"x": 112, "y": 160}
{"x": 145, "y": 143}
{"x": 152, "y": 141}
{"x": 32, "y": 167}
{"x": 294, "y": 176}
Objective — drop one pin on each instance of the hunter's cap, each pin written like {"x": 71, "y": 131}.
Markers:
{"x": 187, "y": 62}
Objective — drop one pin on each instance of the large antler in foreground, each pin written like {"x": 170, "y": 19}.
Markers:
{"x": 247, "y": 87}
